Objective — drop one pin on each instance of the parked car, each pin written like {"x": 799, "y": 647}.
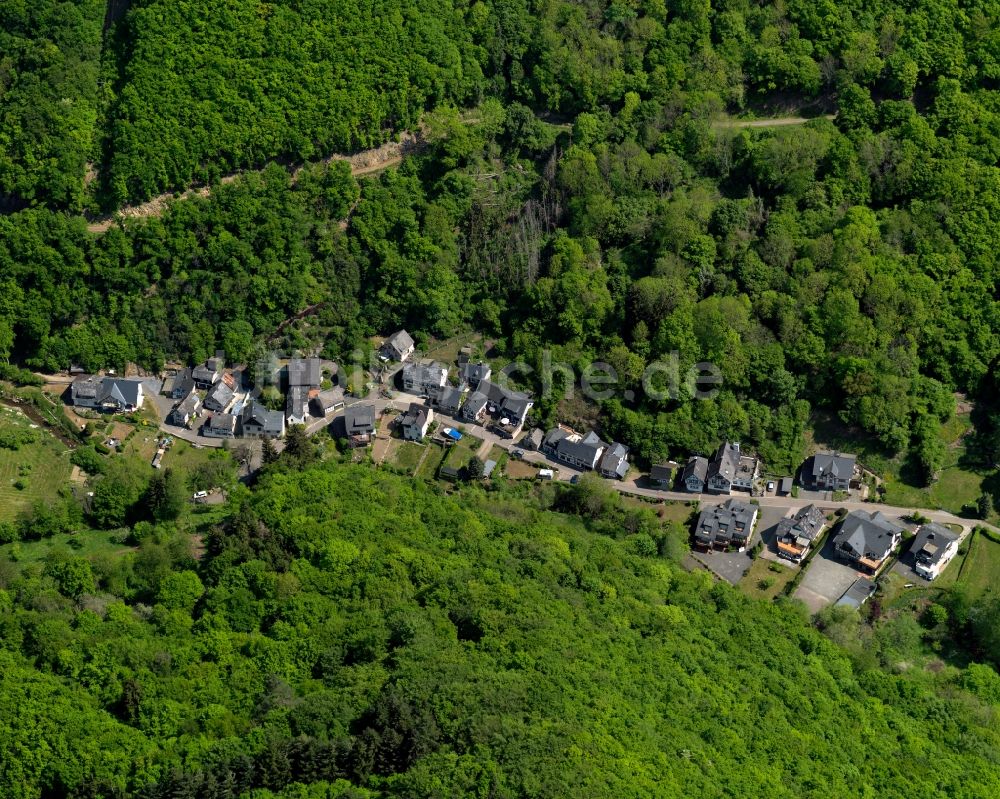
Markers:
{"x": 770, "y": 485}
{"x": 517, "y": 453}
{"x": 200, "y": 495}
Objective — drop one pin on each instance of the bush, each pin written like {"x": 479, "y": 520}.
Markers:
{"x": 88, "y": 459}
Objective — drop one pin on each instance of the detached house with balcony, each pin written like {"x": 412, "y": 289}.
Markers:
{"x": 398, "y": 347}
{"x": 727, "y": 525}
{"x": 867, "y": 539}
{"x": 111, "y": 394}
{"x": 501, "y": 409}
{"x": 828, "y": 471}
{"x": 424, "y": 379}
{"x": 933, "y": 549}
{"x": 795, "y": 535}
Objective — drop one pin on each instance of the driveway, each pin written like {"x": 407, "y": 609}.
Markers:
{"x": 826, "y": 580}
{"x": 767, "y": 527}
{"x": 730, "y": 566}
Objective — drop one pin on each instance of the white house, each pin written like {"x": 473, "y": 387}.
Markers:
{"x": 933, "y": 549}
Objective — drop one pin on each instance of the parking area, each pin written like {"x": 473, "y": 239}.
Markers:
{"x": 767, "y": 529}
{"x": 826, "y": 579}
{"x": 730, "y": 566}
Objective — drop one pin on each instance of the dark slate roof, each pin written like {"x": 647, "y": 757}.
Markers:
{"x": 255, "y": 413}
{"x": 474, "y": 372}
{"x": 858, "y": 593}
{"x": 660, "y": 472}
{"x": 803, "y": 527}
{"x": 583, "y": 450}
{"x": 614, "y": 459}
{"x": 425, "y": 374}
{"x": 359, "y": 417}
{"x": 448, "y": 397}
{"x": 722, "y": 522}
{"x": 221, "y": 394}
{"x": 931, "y": 542}
{"x": 474, "y": 403}
{"x": 400, "y": 341}
{"x": 836, "y": 463}
{"x": 86, "y": 387}
{"x": 189, "y": 404}
{"x": 512, "y": 403}
{"x": 726, "y": 462}
{"x": 222, "y": 422}
{"x": 304, "y": 372}
{"x": 205, "y": 372}
{"x": 124, "y": 392}
{"x": 696, "y": 466}
{"x": 868, "y": 535}
{"x": 415, "y": 416}
{"x": 295, "y": 402}
{"x": 183, "y": 382}
{"x": 330, "y": 397}
{"x": 554, "y": 436}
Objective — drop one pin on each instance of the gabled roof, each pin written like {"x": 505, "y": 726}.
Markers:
{"x": 803, "y": 527}
{"x": 303, "y": 372}
{"x": 330, "y": 397}
{"x": 206, "y": 372}
{"x": 554, "y": 436}
{"x": 660, "y": 472}
{"x": 360, "y": 417}
{"x": 726, "y": 462}
{"x": 932, "y": 542}
{"x": 867, "y": 535}
{"x": 586, "y": 450}
{"x": 474, "y": 403}
{"x": 614, "y": 459}
{"x": 183, "y": 382}
{"x": 697, "y": 466}
{"x": 295, "y": 402}
{"x": 400, "y": 341}
{"x": 256, "y": 414}
{"x": 222, "y": 422}
{"x": 86, "y": 387}
{"x": 837, "y": 464}
{"x": 120, "y": 391}
{"x": 447, "y": 397}
{"x": 189, "y": 404}
{"x": 426, "y": 374}
{"x": 474, "y": 372}
{"x": 415, "y": 416}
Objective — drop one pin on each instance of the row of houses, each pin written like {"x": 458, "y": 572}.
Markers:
{"x": 732, "y": 469}
{"x": 585, "y": 452}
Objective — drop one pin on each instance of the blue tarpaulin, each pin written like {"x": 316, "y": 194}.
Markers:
{"x": 453, "y": 434}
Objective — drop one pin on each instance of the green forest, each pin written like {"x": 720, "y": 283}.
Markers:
{"x": 350, "y": 633}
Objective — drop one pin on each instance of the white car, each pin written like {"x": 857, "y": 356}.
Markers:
{"x": 200, "y": 494}
{"x": 770, "y": 486}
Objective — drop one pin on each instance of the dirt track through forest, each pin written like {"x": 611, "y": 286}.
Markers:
{"x": 777, "y": 122}
{"x": 365, "y": 162}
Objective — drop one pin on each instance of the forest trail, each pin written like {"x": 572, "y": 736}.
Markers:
{"x": 775, "y": 122}
{"x": 365, "y": 162}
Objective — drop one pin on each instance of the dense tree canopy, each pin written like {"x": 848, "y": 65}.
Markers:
{"x": 350, "y": 628}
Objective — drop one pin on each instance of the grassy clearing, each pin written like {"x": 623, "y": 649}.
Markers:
{"x": 981, "y": 572}
{"x": 407, "y": 455}
{"x": 766, "y": 579}
{"x": 459, "y": 453}
{"x": 89, "y": 543}
{"x": 521, "y": 470}
{"x": 41, "y": 467}
{"x": 428, "y": 468}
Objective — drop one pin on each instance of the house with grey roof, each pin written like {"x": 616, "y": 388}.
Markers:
{"x": 796, "y": 534}
{"x": 472, "y": 374}
{"x": 614, "y": 462}
{"x": 259, "y": 422}
{"x": 727, "y": 525}
{"x": 580, "y": 452}
{"x": 660, "y": 475}
{"x": 182, "y": 384}
{"x": 415, "y": 421}
{"x": 398, "y": 347}
{"x": 359, "y": 423}
{"x": 534, "y": 439}
{"x": 447, "y": 399}
{"x": 112, "y": 394}
{"x": 828, "y": 471}
{"x": 507, "y": 409}
{"x": 297, "y": 404}
{"x": 185, "y": 410}
{"x": 323, "y": 402}
{"x": 219, "y": 397}
{"x": 303, "y": 372}
{"x": 206, "y": 375}
{"x": 694, "y": 475}
{"x": 867, "y": 539}
{"x": 933, "y": 548}
{"x": 424, "y": 379}
{"x": 220, "y": 425}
